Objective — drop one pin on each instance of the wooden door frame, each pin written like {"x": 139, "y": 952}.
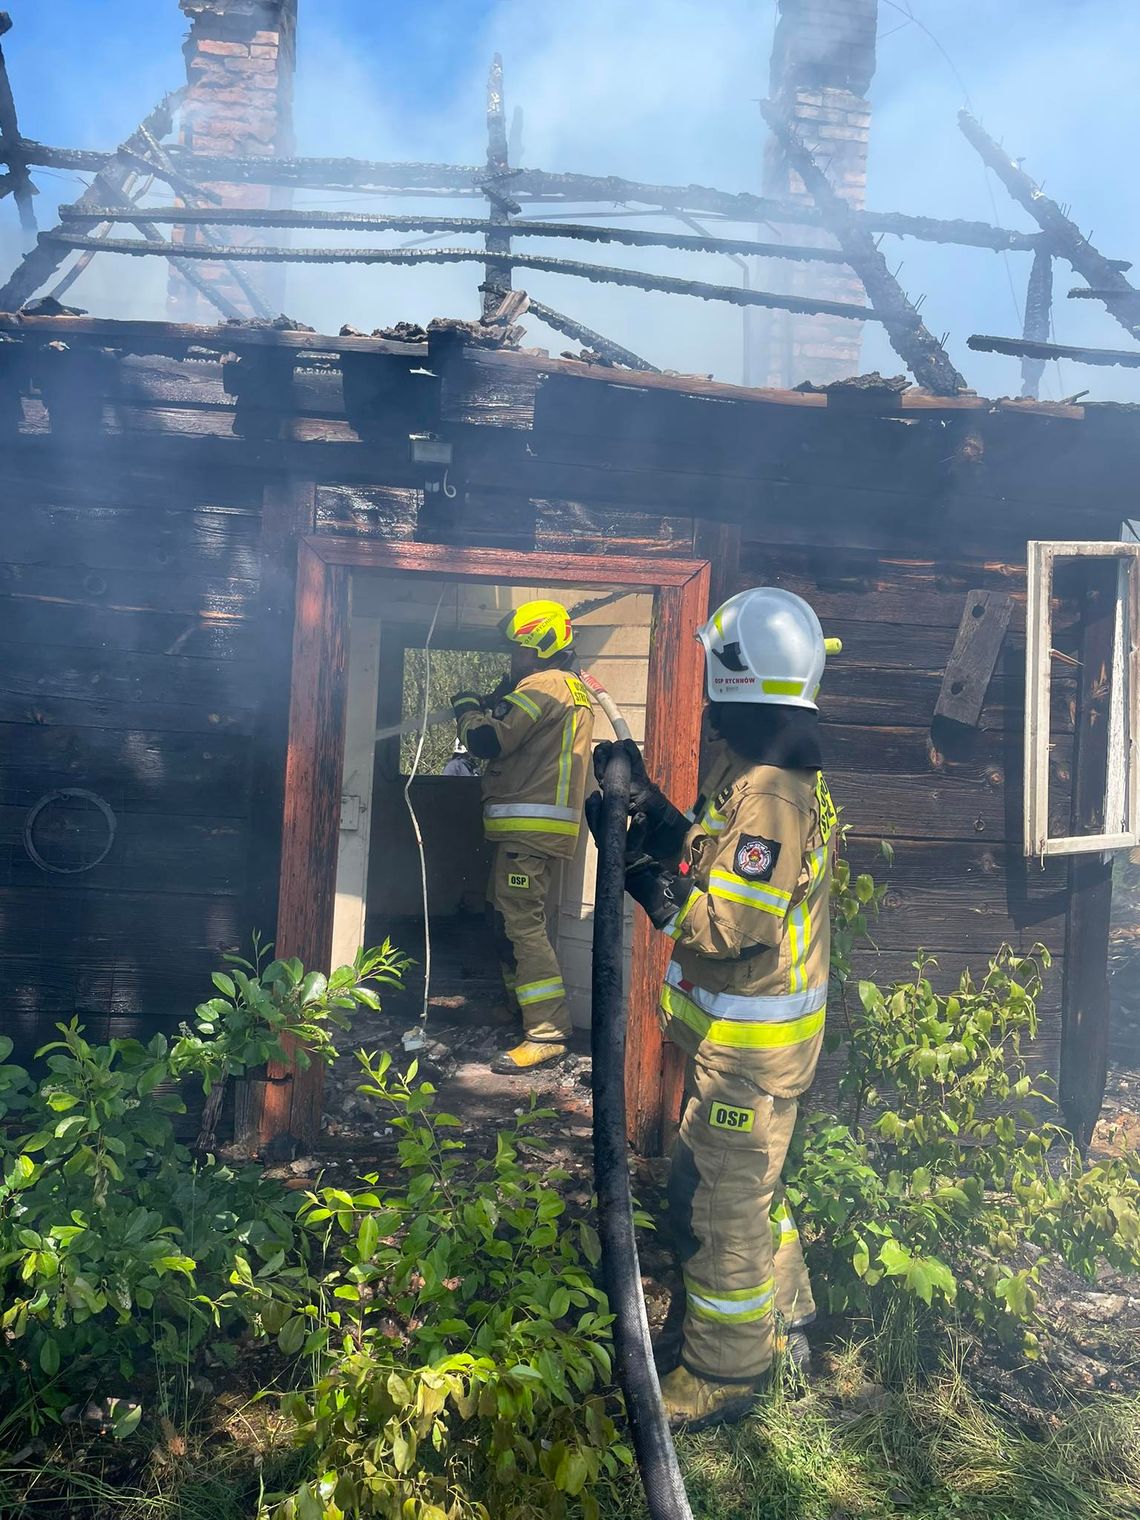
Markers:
{"x": 315, "y": 757}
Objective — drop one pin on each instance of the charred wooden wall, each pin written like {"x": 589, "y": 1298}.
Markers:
{"x": 146, "y": 595}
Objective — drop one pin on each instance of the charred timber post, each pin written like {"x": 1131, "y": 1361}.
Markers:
{"x": 1068, "y": 241}
{"x": 44, "y": 259}
{"x": 582, "y": 334}
{"x": 915, "y": 345}
{"x": 370, "y": 221}
{"x": 604, "y": 274}
{"x": 497, "y": 275}
{"x": 1038, "y": 310}
{"x": 10, "y": 142}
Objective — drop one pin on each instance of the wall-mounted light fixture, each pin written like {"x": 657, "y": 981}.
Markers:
{"x": 434, "y": 455}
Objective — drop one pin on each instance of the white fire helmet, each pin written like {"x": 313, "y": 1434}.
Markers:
{"x": 765, "y": 645}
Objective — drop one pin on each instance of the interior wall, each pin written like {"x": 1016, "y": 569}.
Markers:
{"x": 613, "y": 643}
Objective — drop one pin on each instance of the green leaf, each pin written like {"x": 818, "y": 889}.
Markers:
{"x": 292, "y": 1335}
{"x": 49, "y": 1357}
{"x": 224, "y": 983}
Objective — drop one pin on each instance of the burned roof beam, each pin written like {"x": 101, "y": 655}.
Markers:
{"x": 1067, "y": 239}
{"x": 21, "y": 186}
{"x": 583, "y": 334}
{"x": 602, "y": 273}
{"x": 42, "y": 262}
{"x": 1038, "y": 314}
{"x": 918, "y": 348}
{"x": 367, "y": 221}
{"x": 496, "y": 275}
{"x": 454, "y": 180}
{"x": 1021, "y": 348}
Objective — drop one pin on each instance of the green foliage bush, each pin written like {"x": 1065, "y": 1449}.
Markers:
{"x": 461, "y": 1344}
{"x": 114, "y": 1239}
{"x": 943, "y": 1180}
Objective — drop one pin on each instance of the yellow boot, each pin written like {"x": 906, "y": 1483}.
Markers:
{"x": 528, "y": 1056}
{"x": 691, "y": 1403}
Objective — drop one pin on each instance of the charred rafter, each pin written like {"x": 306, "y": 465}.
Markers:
{"x": 1038, "y": 310}
{"x": 369, "y": 221}
{"x": 1020, "y": 348}
{"x": 915, "y": 345}
{"x": 456, "y": 180}
{"x": 497, "y": 275}
{"x": 1066, "y": 238}
{"x": 601, "y": 273}
{"x": 44, "y": 259}
{"x": 580, "y": 333}
{"x": 20, "y": 181}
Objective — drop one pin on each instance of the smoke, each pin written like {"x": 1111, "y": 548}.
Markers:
{"x": 663, "y": 93}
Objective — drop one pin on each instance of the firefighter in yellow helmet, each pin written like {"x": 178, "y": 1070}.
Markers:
{"x": 536, "y": 742}
{"x": 740, "y": 884}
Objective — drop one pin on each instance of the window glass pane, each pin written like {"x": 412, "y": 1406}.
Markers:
{"x": 450, "y": 671}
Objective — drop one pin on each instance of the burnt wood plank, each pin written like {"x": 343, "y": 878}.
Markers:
{"x": 1085, "y": 1018}
{"x": 217, "y": 597}
{"x": 108, "y": 537}
{"x": 971, "y": 664}
{"x": 127, "y": 677}
{"x": 136, "y": 771}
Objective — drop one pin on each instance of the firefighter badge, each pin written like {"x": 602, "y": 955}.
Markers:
{"x": 756, "y": 857}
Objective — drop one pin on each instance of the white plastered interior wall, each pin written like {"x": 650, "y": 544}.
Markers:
{"x": 613, "y": 644}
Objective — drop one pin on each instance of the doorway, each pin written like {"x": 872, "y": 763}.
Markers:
{"x": 363, "y": 613}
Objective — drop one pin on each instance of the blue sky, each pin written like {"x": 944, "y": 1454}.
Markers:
{"x": 664, "y": 90}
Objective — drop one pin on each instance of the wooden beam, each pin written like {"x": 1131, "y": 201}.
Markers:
{"x": 496, "y": 275}
{"x": 1086, "y": 1007}
{"x": 1022, "y": 348}
{"x": 600, "y": 273}
{"x": 972, "y": 660}
{"x": 1038, "y": 317}
{"x": 925, "y": 357}
{"x": 1067, "y": 240}
{"x": 38, "y": 266}
{"x": 313, "y": 769}
{"x": 21, "y": 181}
{"x": 583, "y": 334}
{"x": 368, "y": 221}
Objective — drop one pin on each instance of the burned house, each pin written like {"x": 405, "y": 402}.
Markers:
{"x": 223, "y": 540}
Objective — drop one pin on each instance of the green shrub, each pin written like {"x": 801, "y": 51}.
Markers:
{"x": 114, "y": 1240}
{"x": 460, "y": 1341}
{"x": 943, "y": 1164}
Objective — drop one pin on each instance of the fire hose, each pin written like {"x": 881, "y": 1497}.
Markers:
{"x": 621, "y": 1269}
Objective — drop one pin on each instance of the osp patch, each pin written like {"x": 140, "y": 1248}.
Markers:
{"x": 517, "y": 879}
{"x": 756, "y": 857}
{"x": 723, "y": 1116}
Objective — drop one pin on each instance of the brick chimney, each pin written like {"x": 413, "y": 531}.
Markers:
{"x": 240, "y": 58}
{"x": 823, "y": 59}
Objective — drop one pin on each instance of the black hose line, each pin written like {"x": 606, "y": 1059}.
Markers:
{"x": 621, "y": 1270}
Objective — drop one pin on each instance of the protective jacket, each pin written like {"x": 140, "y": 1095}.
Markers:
{"x": 748, "y": 976}
{"x": 537, "y": 741}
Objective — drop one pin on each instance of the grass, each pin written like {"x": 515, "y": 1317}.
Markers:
{"x": 930, "y": 1451}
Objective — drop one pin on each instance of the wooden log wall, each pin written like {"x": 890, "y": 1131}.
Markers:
{"x": 135, "y": 667}
{"x": 128, "y": 672}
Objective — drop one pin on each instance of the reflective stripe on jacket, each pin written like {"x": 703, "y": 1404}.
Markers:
{"x": 535, "y": 788}
{"x": 750, "y": 969}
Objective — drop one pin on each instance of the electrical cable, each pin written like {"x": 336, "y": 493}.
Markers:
{"x": 416, "y": 1037}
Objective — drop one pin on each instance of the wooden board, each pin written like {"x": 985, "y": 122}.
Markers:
{"x": 971, "y": 664}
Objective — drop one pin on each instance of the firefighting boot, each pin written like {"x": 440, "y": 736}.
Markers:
{"x": 529, "y": 1056}
{"x": 691, "y": 1403}
{"x": 792, "y": 1348}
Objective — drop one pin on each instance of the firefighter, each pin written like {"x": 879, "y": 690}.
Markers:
{"x": 535, "y": 741}
{"x": 741, "y": 886}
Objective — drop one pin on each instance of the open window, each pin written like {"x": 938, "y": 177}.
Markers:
{"x": 1121, "y": 780}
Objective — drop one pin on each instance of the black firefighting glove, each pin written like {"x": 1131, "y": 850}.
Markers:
{"x": 464, "y": 702}
{"x": 665, "y": 825}
{"x": 636, "y": 837}
{"x": 659, "y": 889}
{"x": 493, "y": 698}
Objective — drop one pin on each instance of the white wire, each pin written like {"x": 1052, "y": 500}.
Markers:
{"x": 410, "y": 807}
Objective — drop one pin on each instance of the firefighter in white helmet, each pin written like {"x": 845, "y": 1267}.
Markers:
{"x": 740, "y": 884}
{"x": 535, "y": 740}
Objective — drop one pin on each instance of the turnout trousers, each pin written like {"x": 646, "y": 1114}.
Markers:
{"x": 516, "y": 898}
{"x": 735, "y": 1233}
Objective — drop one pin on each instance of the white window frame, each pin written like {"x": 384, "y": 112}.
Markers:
{"x": 1122, "y": 795}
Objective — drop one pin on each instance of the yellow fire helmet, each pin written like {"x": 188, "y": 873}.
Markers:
{"x": 541, "y": 625}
